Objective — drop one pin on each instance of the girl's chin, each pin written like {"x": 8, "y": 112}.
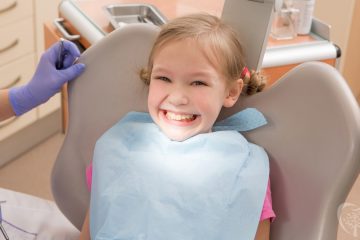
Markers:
{"x": 177, "y": 133}
{"x": 178, "y": 137}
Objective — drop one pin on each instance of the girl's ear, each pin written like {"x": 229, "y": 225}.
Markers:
{"x": 234, "y": 91}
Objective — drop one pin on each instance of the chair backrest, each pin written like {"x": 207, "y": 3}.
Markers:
{"x": 312, "y": 137}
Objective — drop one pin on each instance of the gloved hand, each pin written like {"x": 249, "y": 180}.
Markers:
{"x": 47, "y": 79}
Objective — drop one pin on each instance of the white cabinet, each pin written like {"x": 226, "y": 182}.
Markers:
{"x": 14, "y": 74}
{"x": 17, "y": 55}
{"x": 13, "y": 10}
{"x": 21, "y": 45}
{"x": 17, "y": 40}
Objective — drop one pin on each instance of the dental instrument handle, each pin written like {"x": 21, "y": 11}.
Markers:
{"x": 60, "y": 58}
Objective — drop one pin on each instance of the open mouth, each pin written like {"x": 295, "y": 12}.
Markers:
{"x": 179, "y": 117}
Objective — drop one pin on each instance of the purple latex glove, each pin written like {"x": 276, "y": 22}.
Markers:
{"x": 47, "y": 79}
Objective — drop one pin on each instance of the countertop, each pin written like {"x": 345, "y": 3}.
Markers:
{"x": 93, "y": 9}
{"x": 170, "y": 8}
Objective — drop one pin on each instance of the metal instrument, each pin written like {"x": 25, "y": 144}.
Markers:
{"x": 2, "y": 229}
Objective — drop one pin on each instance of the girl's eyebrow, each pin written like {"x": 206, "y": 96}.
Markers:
{"x": 195, "y": 73}
{"x": 159, "y": 69}
{"x": 201, "y": 73}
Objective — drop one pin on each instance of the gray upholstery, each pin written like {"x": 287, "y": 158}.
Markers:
{"x": 312, "y": 137}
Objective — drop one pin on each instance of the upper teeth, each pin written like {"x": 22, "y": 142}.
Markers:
{"x": 178, "y": 117}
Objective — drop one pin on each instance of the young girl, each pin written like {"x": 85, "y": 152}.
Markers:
{"x": 168, "y": 174}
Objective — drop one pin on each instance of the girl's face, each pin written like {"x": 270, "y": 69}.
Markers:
{"x": 186, "y": 91}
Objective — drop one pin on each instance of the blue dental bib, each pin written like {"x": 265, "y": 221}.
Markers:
{"x": 209, "y": 187}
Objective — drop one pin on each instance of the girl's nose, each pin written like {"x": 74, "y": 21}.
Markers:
{"x": 178, "y": 97}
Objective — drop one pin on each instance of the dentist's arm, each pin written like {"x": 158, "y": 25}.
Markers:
{"x": 6, "y": 110}
{"x": 46, "y": 81}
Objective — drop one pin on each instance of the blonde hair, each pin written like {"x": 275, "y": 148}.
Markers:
{"x": 211, "y": 33}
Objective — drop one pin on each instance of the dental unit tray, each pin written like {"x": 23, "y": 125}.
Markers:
{"x": 122, "y": 14}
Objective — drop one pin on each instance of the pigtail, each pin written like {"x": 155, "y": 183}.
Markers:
{"x": 144, "y": 75}
{"x": 254, "y": 82}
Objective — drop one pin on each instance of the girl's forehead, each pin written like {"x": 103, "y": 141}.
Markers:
{"x": 207, "y": 49}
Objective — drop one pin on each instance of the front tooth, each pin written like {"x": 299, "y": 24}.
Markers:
{"x": 177, "y": 117}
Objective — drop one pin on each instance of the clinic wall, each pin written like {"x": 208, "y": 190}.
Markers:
{"x": 343, "y": 16}
{"x": 351, "y": 68}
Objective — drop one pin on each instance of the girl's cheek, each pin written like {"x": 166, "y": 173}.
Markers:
{"x": 156, "y": 93}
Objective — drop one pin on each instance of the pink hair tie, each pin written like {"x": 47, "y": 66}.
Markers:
{"x": 245, "y": 72}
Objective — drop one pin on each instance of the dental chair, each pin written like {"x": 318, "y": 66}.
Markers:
{"x": 312, "y": 136}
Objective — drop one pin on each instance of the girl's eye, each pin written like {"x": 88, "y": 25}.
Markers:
{"x": 165, "y": 79}
{"x": 199, "y": 83}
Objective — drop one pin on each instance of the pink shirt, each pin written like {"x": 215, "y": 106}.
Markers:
{"x": 267, "y": 211}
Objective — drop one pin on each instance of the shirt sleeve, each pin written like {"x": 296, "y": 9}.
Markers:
{"x": 267, "y": 211}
